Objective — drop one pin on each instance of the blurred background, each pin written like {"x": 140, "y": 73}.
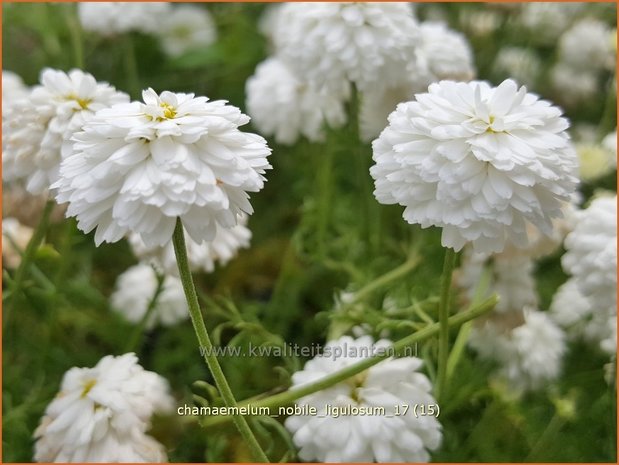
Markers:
{"x": 317, "y": 235}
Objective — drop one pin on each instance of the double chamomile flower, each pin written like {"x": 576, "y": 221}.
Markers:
{"x": 478, "y": 161}
{"x": 362, "y": 438}
{"x": 102, "y": 414}
{"x": 37, "y": 128}
{"x": 139, "y": 166}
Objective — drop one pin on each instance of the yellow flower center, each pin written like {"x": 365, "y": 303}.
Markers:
{"x": 88, "y": 385}
{"x": 168, "y": 111}
{"x": 82, "y": 102}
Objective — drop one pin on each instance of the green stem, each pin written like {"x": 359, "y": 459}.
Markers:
{"x": 547, "y": 437}
{"x": 287, "y": 397}
{"x": 207, "y": 346}
{"x": 325, "y": 188}
{"x": 131, "y": 68}
{"x": 443, "y": 319}
{"x": 136, "y": 336}
{"x": 22, "y": 270}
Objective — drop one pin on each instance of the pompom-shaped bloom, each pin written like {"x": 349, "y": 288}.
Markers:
{"x": 521, "y": 64}
{"x": 359, "y": 438}
{"x": 595, "y": 160}
{"x": 573, "y": 86}
{"x": 529, "y": 351}
{"x": 101, "y": 414}
{"x": 110, "y": 18}
{"x": 366, "y": 43}
{"x": 137, "y": 289}
{"x": 547, "y": 20}
{"x": 591, "y": 256}
{"x": 445, "y": 53}
{"x": 13, "y": 89}
{"x": 587, "y": 45}
{"x": 186, "y": 27}
{"x": 137, "y": 167}
{"x": 284, "y": 106}
{"x": 511, "y": 278}
{"x": 39, "y": 127}
{"x": 477, "y": 161}
{"x": 202, "y": 257}
{"x": 576, "y": 314}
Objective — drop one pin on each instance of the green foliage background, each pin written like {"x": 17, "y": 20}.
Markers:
{"x": 317, "y": 230}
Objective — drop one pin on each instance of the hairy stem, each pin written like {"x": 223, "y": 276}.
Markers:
{"x": 206, "y": 345}
{"x": 443, "y": 319}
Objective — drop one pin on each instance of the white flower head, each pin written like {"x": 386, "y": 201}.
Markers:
{"x": 135, "y": 290}
{"x": 445, "y": 53}
{"x": 547, "y": 20}
{"x": 591, "y": 260}
{"x": 477, "y": 161}
{"x": 101, "y": 414}
{"x": 529, "y": 353}
{"x": 110, "y": 18}
{"x": 511, "y": 278}
{"x": 595, "y": 160}
{"x": 284, "y": 106}
{"x": 13, "y": 89}
{"x": 574, "y": 312}
{"x": 359, "y": 438}
{"x": 521, "y": 64}
{"x": 186, "y": 27}
{"x": 587, "y": 46}
{"x": 365, "y": 43}
{"x": 610, "y": 143}
{"x": 38, "y": 128}
{"x": 573, "y": 86}
{"x": 138, "y": 167}
{"x": 202, "y": 257}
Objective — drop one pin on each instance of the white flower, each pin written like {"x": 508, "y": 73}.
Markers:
{"x": 479, "y": 23}
{"x": 610, "y": 143}
{"x": 445, "y": 53}
{"x": 587, "y": 46}
{"x": 359, "y": 438}
{"x": 591, "y": 259}
{"x": 138, "y": 167}
{"x": 573, "y": 86}
{"x": 15, "y": 238}
{"x": 591, "y": 256}
{"x": 378, "y": 103}
{"x": 101, "y": 414}
{"x": 13, "y": 89}
{"x": 521, "y": 64}
{"x": 477, "y": 161}
{"x": 574, "y": 312}
{"x": 221, "y": 249}
{"x": 38, "y": 128}
{"x": 366, "y": 43}
{"x": 529, "y": 352}
{"x": 511, "y": 278}
{"x": 569, "y": 308}
{"x": 595, "y": 160}
{"x": 186, "y": 27}
{"x": 284, "y": 106}
{"x": 110, "y": 18}
{"x": 136, "y": 289}
{"x": 547, "y": 20}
